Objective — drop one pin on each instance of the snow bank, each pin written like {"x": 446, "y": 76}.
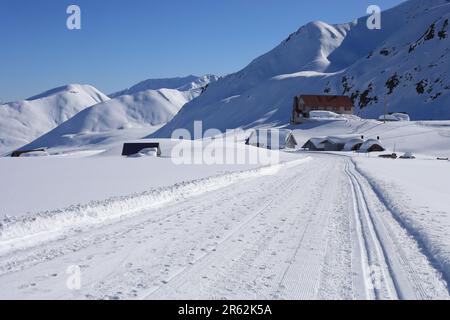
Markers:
{"x": 17, "y": 232}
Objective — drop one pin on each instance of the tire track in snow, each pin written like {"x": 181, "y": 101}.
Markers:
{"x": 377, "y": 279}
{"x": 404, "y": 266}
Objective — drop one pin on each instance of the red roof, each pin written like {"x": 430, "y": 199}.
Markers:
{"x": 326, "y": 101}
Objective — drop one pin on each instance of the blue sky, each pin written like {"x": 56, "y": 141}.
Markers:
{"x": 123, "y": 42}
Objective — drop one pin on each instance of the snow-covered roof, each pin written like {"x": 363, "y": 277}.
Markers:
{"x": 350, "y": 145}
{"x": 342, "y": 139}
{"x": 369, "y": 144}
{"x": 266, "y": 137}
{"x": 317, "y": 142}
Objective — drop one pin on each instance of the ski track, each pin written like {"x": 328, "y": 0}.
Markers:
{"x": 316, "y": 230}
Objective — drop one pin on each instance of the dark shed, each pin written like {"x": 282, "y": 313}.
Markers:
{"x": 18, "y": 153}
{"x": 131, "y": 148}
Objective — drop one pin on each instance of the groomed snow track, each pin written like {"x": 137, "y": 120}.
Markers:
{"x": 312, "y": 230}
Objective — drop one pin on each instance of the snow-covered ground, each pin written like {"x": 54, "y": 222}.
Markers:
{"x": 430, "y": 139}
{"x": 416, "y": 191}
{"x": 313, "y": 230}
{"x": 314, "y": 226}
{"x": 219, "y": 220}
{"x": 35, "y": 184}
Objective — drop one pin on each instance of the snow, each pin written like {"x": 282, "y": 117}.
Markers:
{"x": 408, "y": 155}
{"x": 375, "y": 66}
{"x": 416, "y": 191}
{"x": 336, "y": 241}
{"x": 35, "y": 154}
{"x": 342, "y": 138}
{"x": 205, "y": 221}
{"x": 23, "y": 121}
{"x": 132, "y": 112}
{"x": 350, "y": 144}
{"x": 425, "y": 138}
{"x": 180, "y": 83}
{"x": 323, "y": 115}
{"x": 395, "y": 117}
{"x": 146, "y": 152}
{"x": 369, "y": 144}
{"x": 78, "y": 178}
{"x": 14, "y": 231}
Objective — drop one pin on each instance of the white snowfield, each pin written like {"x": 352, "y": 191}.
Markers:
{"x": 314, "y": 228}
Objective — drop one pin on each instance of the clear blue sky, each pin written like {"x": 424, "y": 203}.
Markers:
{"x": 124, "y": 42}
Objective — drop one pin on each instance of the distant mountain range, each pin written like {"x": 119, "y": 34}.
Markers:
{"x": 404, "y": 66}
{"x": 141, "y": 107}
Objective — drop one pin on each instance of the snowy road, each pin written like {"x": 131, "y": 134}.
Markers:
{"x": 312, "y": 231}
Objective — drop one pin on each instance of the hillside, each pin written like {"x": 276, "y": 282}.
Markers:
{"x": 23, "y": 121}
{"x": 405, "y": 63}
{"x": 129, "y": 116}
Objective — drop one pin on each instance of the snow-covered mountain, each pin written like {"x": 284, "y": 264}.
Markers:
{"x": 23, "y": 121}
{"x": 138, "y": 111}
{"x": 179, "y": 83}
{"x": 406, "y": 63}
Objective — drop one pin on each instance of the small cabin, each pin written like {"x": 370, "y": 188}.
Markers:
{"x": 343, "y": 143}
{"x": 273, "y": 139}
{"x": 304, "y": 104}
{"x": 372, "y": 145}
{"x": 132, "y": 148}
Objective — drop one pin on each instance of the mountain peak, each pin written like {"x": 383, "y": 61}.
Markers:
{"x": 406, "y": 61}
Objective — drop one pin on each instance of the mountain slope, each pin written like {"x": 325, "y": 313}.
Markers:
{"x": 24, "y": 121}
{"x": 137, "y": 113}
{"x": 407, "y": 61}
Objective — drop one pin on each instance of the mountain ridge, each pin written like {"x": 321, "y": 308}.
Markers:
{"x": 23, "y": 121}
{"x": 349, "y": 59}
